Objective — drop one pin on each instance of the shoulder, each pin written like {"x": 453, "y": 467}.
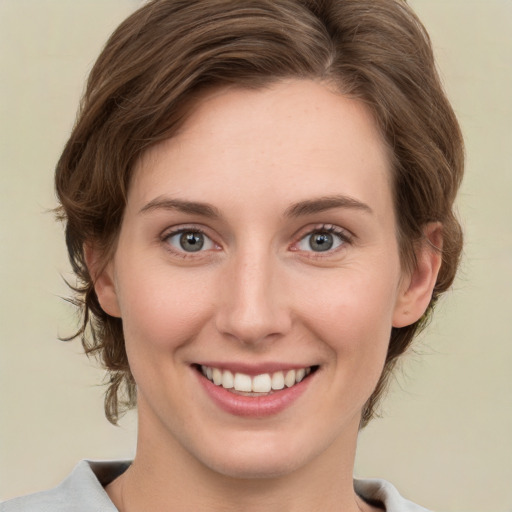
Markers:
{"x": 82, "y": 491}
{"x": 377, "y": 491}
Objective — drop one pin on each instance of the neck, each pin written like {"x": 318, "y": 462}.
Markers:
{"x": 166, "y": 477}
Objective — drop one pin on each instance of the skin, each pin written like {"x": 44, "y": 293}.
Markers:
{"x": 257, "y": 292}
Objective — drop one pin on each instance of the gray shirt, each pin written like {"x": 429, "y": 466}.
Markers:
{"x": 83, "y": 491}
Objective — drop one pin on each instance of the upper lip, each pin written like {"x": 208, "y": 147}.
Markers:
{"x": 253, "y": 369}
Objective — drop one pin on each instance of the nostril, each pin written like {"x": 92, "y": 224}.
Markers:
{"x": 250, "y": 309}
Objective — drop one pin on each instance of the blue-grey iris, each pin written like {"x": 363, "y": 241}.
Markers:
{"x": 191, "y": 241}
{"x": 321, "y": 241}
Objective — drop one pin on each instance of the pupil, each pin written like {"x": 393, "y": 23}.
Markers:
{"x": 321, "y": 242}
{"x": 191, "y": 242}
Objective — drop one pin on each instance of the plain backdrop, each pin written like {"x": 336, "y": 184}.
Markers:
{"x": 445, "y": 439}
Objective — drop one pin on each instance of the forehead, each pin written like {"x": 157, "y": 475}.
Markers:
{"x": 300, "y": 133}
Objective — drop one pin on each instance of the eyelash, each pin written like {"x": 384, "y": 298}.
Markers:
{"x": 166, "y": 237}
{"x": 344, "y": 237}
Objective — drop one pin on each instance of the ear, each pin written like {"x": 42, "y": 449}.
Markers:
{"x": 416, "y": 289}
{"x": 103, "y": 278}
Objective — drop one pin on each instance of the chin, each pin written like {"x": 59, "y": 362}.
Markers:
{"x": 263, "y": 459}
{"x": 259, "y": 468}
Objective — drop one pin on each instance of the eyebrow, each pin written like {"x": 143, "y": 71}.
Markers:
{"x": 192, "y": 207}
{"x": 321, "y": 204}
{"x": 302, "y": 208}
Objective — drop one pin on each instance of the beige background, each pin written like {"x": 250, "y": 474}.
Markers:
{"x": 446, "y": 436}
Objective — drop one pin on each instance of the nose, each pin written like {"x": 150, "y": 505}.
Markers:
{"x": 253, "y": 303}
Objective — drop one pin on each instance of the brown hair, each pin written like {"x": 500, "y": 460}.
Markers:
{"x": 164, "y": 55}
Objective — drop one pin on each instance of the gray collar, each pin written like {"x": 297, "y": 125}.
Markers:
{"x": 83, "y": 491}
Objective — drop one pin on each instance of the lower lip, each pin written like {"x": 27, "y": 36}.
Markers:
{"x": 257, "y": 406}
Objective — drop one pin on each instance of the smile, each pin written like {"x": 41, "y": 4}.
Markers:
{"x": 255, "y": 385}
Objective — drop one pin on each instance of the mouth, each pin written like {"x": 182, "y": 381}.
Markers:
{"x": 259, "y": 385}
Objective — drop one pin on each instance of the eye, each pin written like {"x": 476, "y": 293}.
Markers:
{"x": 189, "y": 240}
{"x": 323, "y": 240}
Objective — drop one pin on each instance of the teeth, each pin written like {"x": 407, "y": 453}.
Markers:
{"x": 242, "y": 382}
{"x": 300, "y": 375}
{"x": 217, "y": 376}
{"x": 278, "y": 380}
{"x": 227, "y": 379}
{"x": 263, "y": 383}
{"x": 289, "y": 380}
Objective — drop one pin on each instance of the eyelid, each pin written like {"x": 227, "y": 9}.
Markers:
{"x": 345, "y": 236}
{"x": 184, "y": 228}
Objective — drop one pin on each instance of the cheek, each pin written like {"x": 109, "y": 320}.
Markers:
{"x": 352, "y": 314}
{"x": 161, "y": 309}
{"x": 352, "y": 301}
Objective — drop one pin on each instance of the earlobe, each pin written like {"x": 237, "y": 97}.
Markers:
{"x": 103, "y": 278}
{"x": 416, "y": 291}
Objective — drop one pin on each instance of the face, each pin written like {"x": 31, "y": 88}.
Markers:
{"x": 258, "y": 250}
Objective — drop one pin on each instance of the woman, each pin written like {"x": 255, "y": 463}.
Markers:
{"x": 258, "y": 203}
